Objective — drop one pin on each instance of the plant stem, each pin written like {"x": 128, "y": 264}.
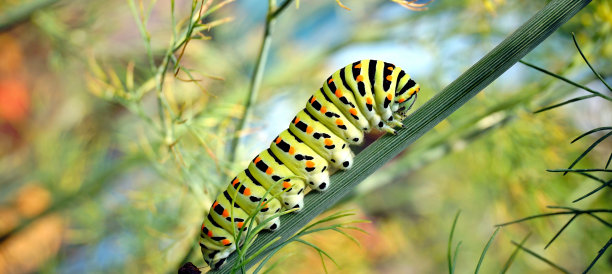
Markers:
{"x": 496, "y": 62}
{"x": 260, "y": 65}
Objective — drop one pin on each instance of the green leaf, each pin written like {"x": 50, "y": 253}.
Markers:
{"x": 484, "y": 251}
{"x": 547, "y": 261}
{"x": 513, "y": 255}
{"x": 601, "y": 252}
{"x": 449, "y": 100}
{"x": 589, "y": 150}
{"x": 451, "y": 266}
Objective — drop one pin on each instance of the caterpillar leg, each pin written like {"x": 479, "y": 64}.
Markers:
{"x": 389, "y": 129}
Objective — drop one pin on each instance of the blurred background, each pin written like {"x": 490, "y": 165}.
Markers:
{"x": 108, "y": 164}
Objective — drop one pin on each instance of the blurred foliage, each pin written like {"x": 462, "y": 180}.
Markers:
{"x": 112, "y": 146}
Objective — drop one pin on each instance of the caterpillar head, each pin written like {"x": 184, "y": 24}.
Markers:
{"x": 405, "y": 101}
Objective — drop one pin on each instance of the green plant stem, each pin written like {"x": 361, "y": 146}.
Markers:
{"x": 601, "y": 252}
{"x": 22, "y": 12}
{"x": 496, "y": 62}
{"x": 260, "y": 66}
{"x": 596, "y": 93}
{"x": 449, "y": 250}
{"x": 547, "y": 261}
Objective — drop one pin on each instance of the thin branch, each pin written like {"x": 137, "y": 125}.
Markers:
{"x": 257, "y": 77}
{"x": 580, "y": 170}
{"x": 589, "y": 132}
{"x": 589, "y": 64}
{"x": 605, "y": 184}
{"x": 547, "y": 261}
{"x": 601, "y": 252}
{"x": 566, "y": 80}
{"x": 591, "y": 147}
{"x": 579, "y": 98}
{"x": 513, "y": 255}
{"x": 570, "y": 211}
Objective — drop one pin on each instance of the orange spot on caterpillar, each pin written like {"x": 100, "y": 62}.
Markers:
{"x": 310, "y": 164}
{"x": 389, "y": 78}
{"x": 353, "y": 111}
{"x": 359, "y": 78}
{"x": 236, "y": 181}
{"x": 286, "y": 184}
{"x": 389, "y": 96}
{"x": 297, "y": 120}
{"x": 309, "y": 129}
{"x": 291, "y": 150}
{"x": 240, "y": 224}
{"x": 313, "y": 99}
{"x": 278, "y": 140}
{"x": 328, "y": 142}
{"x": 247, "y": 192}
{"x": 369, "y": 100}
{"x": 358, "y": 65}
{"x": 256, "y": 160}
{"x": 202, "y": 227}
{"x": 339, "y": 122}
{"x": 225, "y": 213}
{"x": 210, "y": 234}
{"x": 225, "y": 242}
{"x": 330, "y": 80}
{"x": 338, "y": 93}
{"x": 215, "y": 204}
{"x": 390, "y": 68}
{"x": 269, "y": 171}
{"x": 402, "y": 100}
{"x": 323, "y": 110}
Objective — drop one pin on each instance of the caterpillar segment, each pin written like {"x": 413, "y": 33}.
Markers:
{"x": 272, "y": 173}
{"x": 250, "y": 194}
{"x": 228, "y": 213}
{"x": 215, "y": 242}
{"x": 330, "y": 116}
{"x": 336, "y": 91}
{"x": 361, "y": 96}
{"x": 357, "y": 83}
{"x": 301, "y": 160}
{"x": 322, "y": 140}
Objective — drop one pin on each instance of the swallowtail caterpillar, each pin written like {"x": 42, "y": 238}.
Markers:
{"x": 355, "y": 99}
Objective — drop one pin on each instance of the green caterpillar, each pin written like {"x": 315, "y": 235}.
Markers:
{"x": 363, "y": 95}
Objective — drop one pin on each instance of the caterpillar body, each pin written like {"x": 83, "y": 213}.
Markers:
{"x": 361, "y": 96}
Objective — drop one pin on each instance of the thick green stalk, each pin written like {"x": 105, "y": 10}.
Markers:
{"x": 491, "y": 66}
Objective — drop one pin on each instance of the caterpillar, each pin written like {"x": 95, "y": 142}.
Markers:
{"x": 357, "y": 98}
